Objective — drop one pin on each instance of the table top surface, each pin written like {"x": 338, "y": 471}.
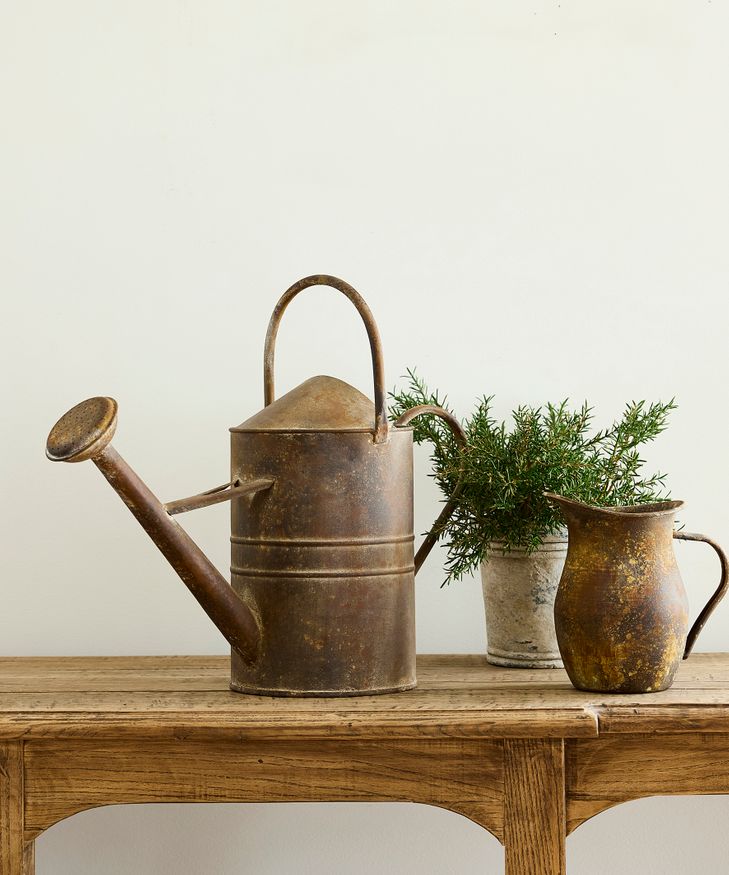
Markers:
{"x": 456, "y": 696}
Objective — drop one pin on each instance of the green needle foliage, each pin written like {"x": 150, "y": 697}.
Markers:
{"x": 506, "y": 471}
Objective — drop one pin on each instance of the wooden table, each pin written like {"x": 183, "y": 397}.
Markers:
{"x": 519, "y": 752}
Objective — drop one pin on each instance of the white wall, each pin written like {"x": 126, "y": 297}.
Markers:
{"x": 533, "y": 198}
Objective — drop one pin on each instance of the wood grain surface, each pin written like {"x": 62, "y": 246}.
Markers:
{"x": 66, "y": 776}
{"x": 520, "y": 752}
{"x": 17, "y": 857}
{"x": 170, "y": 696}
{"x": 617, "y": 768}
{"x": 456, "y": 695}
{"x": 534, "y": 807}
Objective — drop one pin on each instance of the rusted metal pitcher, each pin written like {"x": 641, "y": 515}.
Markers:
{"x": 321, "y": 490}
{"x": 621, "y": 611}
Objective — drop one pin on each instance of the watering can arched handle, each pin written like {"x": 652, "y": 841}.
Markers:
{"x": 378, "y": 366}
{"x": 449, "y": 507}
{"x": 718, "y": 594}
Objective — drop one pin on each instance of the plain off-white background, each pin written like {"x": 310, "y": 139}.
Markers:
{"x": 534, "y": 199}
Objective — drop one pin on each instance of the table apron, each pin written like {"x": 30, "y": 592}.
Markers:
{"x": 63, "y": 777}
{"x": 605, "y": 771}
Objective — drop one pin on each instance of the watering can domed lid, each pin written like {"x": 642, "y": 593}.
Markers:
{"x": 318, "y": 404}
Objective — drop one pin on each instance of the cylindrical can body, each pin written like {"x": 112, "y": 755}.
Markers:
{"x": 325, "y": 560}
{"x": 519, "y": 589}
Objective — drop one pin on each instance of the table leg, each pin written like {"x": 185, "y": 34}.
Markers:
{"x": 534, "y": 807}
{"x": 12, "y": 851}
{"x": 29, "y": 858}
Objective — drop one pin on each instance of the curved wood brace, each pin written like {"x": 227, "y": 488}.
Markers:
{"x": 581, "y": 810}
{"x": 487, "y": 815}
{"x": 483, "y": 814}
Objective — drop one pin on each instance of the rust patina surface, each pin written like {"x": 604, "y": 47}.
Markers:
{"x": 322, "y": 598}
{"x": 621, "y": 612}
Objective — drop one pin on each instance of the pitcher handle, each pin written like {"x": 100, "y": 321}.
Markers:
{"x": 715, "y": 598}
{"x": 449, "y": 507}
{"x": 378, "y": 366}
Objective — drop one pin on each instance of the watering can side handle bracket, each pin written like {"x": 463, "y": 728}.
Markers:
{"x": 378, "y": 366}
{"x": 718, "y": 595}
{"x": 225, "y": 492}
{"x": 450, "y": 505}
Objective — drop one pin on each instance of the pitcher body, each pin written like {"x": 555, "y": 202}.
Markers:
{"x": 621, "y": 611}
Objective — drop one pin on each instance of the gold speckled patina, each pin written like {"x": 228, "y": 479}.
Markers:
{"x": 621, "y": 612}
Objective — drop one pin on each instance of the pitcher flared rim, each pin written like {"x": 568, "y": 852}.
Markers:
{"x": 656, "y": 508}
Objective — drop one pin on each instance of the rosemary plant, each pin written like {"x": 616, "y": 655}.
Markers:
{"x": 507, "y": 470}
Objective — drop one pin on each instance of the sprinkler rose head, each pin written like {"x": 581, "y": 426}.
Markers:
{"x": 83, "y": 432}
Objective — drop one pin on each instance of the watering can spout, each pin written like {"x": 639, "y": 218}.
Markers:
{"x": 85, "y": 432}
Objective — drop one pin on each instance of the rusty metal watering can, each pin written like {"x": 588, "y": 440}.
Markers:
{"x": 322, "y": 600}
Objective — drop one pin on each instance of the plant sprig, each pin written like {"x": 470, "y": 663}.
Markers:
{"x": 506, "y": 471}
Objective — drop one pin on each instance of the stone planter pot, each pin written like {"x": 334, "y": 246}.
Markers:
{"x": 518, "y": 593}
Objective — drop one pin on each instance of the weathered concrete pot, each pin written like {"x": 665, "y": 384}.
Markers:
{"x": 518, "y": 593}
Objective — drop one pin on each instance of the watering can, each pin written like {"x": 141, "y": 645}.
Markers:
{"x": 321, "y": 600}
